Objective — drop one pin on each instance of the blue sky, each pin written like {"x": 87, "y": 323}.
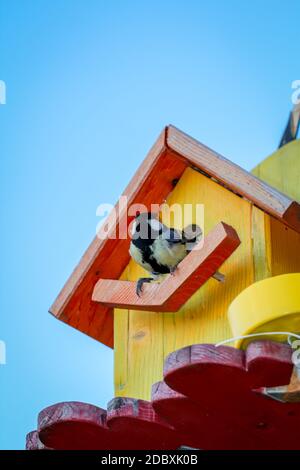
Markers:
{"x": 90, "y": 84}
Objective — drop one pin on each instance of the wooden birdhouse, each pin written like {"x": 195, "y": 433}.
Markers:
{"x": 173, "y": 384}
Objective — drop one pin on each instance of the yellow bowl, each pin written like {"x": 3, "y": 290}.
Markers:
{"x": 270, "y": 305}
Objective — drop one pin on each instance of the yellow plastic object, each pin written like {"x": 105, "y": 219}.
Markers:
{"x": 272, "y": 304}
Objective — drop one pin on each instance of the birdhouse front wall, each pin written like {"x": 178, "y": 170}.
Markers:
{"x": 143, "y": 339}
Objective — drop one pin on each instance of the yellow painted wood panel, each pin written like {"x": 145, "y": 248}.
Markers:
{"x": 121, "y": 327}
{"x": 121, "y": 320}
{"x": 276, "y": 247}
{"x": 285, "y": 249}
{"x": 138, "y": 347}
{"x": 282, "y": 169}
{"x": 204, "y": 317}
{"x": 261, "y": 244}
{"x": 139, "y": 355}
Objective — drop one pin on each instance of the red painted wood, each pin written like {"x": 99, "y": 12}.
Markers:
{"x": 33, "y": 442}
{"x": 209, "y": 399}
{"x": 189, "y": 419}
{"x": 74, "y": 425}
{"x": 222, "y": 381}
{"x": 141, "y": 427}
{"x": 172, "y": 293}
{"x": 130, "y": 424}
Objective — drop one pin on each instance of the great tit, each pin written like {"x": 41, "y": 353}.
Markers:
{"x": 158, "y": 248}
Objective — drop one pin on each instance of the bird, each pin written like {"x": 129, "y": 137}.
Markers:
{"x": 158, "y": 248}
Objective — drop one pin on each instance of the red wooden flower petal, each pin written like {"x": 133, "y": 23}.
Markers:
{"x": 74, "y": 425}
{"x": 33, "y": 442}
{"x": 222, "y": 381}
{"x": 128, "y": 424}
{"x": 140, "y": 426}
{"x": 200, "y": 367}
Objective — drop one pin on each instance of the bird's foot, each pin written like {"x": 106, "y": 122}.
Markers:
{"x": 139, "y": 284}
{"x": 173, "y": 270}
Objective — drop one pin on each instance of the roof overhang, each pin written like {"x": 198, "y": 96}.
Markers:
{"x": 171, "y": 154}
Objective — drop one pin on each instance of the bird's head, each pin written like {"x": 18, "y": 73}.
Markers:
{"x": 146, "y": 226}
{"x": 192, "y": 234}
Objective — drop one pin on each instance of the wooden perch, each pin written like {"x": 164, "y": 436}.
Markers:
{"x": 175, "y": 290}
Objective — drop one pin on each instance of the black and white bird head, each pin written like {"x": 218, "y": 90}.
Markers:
{"x": 192, "y": 234}
{"x": 146, "y": 226}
